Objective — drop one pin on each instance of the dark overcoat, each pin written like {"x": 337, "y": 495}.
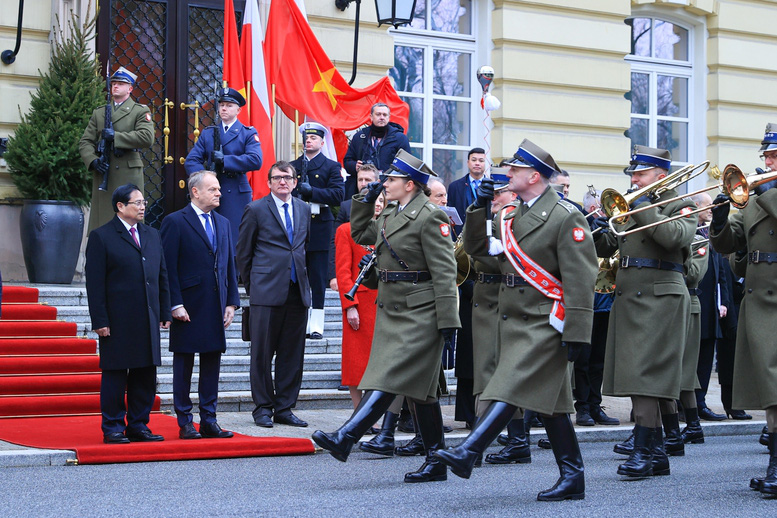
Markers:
{"x": 128, "y": 292}
{"x": 649, "y": 318}
{"x": 242, "y": 153}
{"x": 696, "y": 266}
{"x": 755, "y": 362}
{"x": 324, "y": 177}
{"x": 532, "y": 371}
{"x": 407, "y": 346}
{"x": 204, "y": 281}
{"x": 382, "y": 155}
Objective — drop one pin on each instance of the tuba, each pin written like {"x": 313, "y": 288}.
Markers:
{"x": 463, "y": 263}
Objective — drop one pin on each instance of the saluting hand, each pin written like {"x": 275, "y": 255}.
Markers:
{"x": 373, "y": 191}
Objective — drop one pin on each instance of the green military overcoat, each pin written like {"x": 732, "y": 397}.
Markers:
{"x": 696, "y": 267}
{"x": 407, "y": 345}
{"x": 485, "y": 323}
{"x": 755, "y": 361}
{"x": 532, "y": 370}
{"x": 649, "y": 318}
{"x": 134, "y": 129}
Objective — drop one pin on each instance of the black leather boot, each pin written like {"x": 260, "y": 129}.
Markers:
{"x": 339, "y": 443}
{"x": 674, "y": 439}
{"x": 769, "y": 484}
{"x": 383, "y": 443}
{"x": 764, "y": 438}
{"x": 626, "y": 447}
{"x": 692, "y": 432}
{"x": 516, "y": 450}
{"x": 571, "y": 482}
{"x": 462, "y": 458}
{"x": 429, "y": 421}
{"x": 659, "y": 450}
{"x": 414, "y": 446}
{"x": 640, "y": 463}
{"x": 755, "y": 482}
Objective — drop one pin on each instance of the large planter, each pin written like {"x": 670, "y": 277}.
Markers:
{"x": 51, "y": 233}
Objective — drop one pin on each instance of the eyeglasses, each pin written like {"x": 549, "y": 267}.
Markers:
{"x": 285, "y": 178}
{"x": 138, "y": 203}
{"x": 772, "y": 156}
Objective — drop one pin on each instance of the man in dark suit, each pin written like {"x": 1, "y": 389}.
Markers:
{"x": 320, "y": 184}
{"x": 126, "y": 284}
{"x": 197, "y": 242}
{"x": 271, "y": 261}
{"x": 461, "y": 192}
{"x": 240, "y": 152}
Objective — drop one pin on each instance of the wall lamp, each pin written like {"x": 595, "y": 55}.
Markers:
{"x": 9, "y": 56}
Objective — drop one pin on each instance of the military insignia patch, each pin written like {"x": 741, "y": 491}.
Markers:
{"x": 685, "y": 211}
{"x": 578, "y": 234}
{"x": 148, "y": 117}
{"x": 702, "y": 251}
{"x": 445, "y": 230}
{"x": 256, "y": 138}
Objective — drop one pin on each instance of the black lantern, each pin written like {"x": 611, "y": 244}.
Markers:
{"x": 395, "y": 12}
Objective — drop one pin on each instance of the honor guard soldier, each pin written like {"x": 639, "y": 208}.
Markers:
{"x": 320, "y": 184}
{"x": 643, "y": 360}
{"x": 548, "y": 264}
{"x": 755, "y": 361}
{"x": 132, "y": 131}
{"x": 416, "y": 312}
{"x": 230, "y": 150}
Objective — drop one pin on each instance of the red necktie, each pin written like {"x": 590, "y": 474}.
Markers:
{"x": 133, "y": 231}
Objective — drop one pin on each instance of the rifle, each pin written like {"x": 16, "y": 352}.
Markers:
{"x": 105, "y": 149}
{"x": 214, "y": 166}
{"x": 362, "y": 274}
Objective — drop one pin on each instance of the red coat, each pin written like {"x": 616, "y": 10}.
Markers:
{"x": 356, "y": 344}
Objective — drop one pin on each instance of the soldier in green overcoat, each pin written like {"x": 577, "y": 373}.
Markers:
{"x": 754, "y": 229}
{"x": 649, "y": 318}
{"x": 548, "y": 247}
{"x": 133, "y": 130}
{"x": 417, "y": 309}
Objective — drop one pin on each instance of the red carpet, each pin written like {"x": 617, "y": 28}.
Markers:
{"x": 83, "y": 435}
{"x": 49, "y": 395}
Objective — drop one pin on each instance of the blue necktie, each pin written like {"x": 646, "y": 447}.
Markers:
{"x": 209, "y": 231}
{"x": 474, "y": 185}
{"x": 290, "y": 234}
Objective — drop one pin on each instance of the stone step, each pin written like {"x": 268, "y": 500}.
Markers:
{"x": 234, "y": 364}
{"x": 240, "y": 381}
{"x": 80, "y": 315}
{"x": 332, "y": 330}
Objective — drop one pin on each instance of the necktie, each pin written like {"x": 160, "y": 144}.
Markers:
{"x": 290, "y": 234}
{"x": 474, "y": 186}
{"x": 226, "y": 128}
{"x": 209, "y": 231}
{"x": 134, "y": 231}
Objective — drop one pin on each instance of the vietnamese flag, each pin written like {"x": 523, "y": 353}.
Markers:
{"x": 306, "y": 80}
{"x": 260, "y": 108}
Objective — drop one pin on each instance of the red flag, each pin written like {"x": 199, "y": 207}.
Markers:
{"x": 306, "y": 79}
{"x": 233, "y": 68}
{"x": 259, "y": 109}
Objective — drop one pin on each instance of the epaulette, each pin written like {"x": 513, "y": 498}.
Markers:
{"x": 570, "y": 208}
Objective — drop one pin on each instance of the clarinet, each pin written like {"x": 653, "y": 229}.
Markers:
{"x": 359, "y": 278}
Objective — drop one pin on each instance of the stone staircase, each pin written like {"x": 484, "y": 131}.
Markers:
{"x": 321, "y": 376}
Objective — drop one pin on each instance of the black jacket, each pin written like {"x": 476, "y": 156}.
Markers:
{"x": 382, "y": 155}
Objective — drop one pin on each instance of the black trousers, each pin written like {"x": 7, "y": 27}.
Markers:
{"x": 140, "y": 387}
{"x": 318, "y": 264}
{"x": 589, "y": 366}
{"x": 704, "y": 369}
{"x": 207, "y": 388}
{"x": 465, "y": 400}
{"x": 277, "y": 331}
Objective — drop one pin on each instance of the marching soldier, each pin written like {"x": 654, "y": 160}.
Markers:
{"x": 416, "y": 310}
{"x": 231, "y": 153}
{"x": 649, "y": 317}
{"x": 755, "y": 362}
{"x": 319, "y": 183}
{"x": 132, "y": 131}
{"x": 548, "y": 264}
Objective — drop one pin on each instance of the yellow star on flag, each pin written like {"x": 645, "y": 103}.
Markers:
{"x": 326, "y": 86}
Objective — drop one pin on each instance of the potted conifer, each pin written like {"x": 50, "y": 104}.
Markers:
{"x": 44, "y": 161}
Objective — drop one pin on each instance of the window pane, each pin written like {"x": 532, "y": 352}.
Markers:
{"x": 449, "y": 164}
{"x": 671, "y": 41}
{"x": 451, "y": 123}
{"x": 419, "y": 17}
{"x": 417, "y": 152}
{"x": 640, "y": 93}
{"x": 415, "y": 133}
{"x": 640, "y": 36}
{"x": 638, "y": 133}
{"x": 674, "y": 137}
{"x": 408, "y": 69}
{"x": 452, "y": 74}
{"x": 452, "y": 16}
{"x": 672, "y": 96}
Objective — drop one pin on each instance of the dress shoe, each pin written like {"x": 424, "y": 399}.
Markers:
{"x": 517, "y": 450}
{"x": 708, "y": 415}
{"x": 290, "y": 419}
{"x": 598, "y": 415}
{"x": 188, "y": 431}
{"x": 583, "y": 418}
{"x": 263, "y": 420}
{"x": 342, "y": 388}
{"x": 214, "y": 431}
{"x": 383, "y": 442}
{"x": 414, "y": 446}
{"x": 544, "y": 444}
{"x": 316, "y": 336}
{"x": 144, "y": 436}
{"x": 115, "y": 438}
{"x": 738, "y": 415}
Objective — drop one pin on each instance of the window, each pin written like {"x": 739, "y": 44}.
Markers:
{"x": 434, "y": 72}
{"x": 661, "y": 86}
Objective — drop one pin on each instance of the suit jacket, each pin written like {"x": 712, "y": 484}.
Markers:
{"x": 460, "y": 197}
{"x": 128, "y": 292}
{"x": 324, "y": 177}
{"x": 134, "y": 129}
{"x": 204, "y": 281}
{"x": 264, "y": 254}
